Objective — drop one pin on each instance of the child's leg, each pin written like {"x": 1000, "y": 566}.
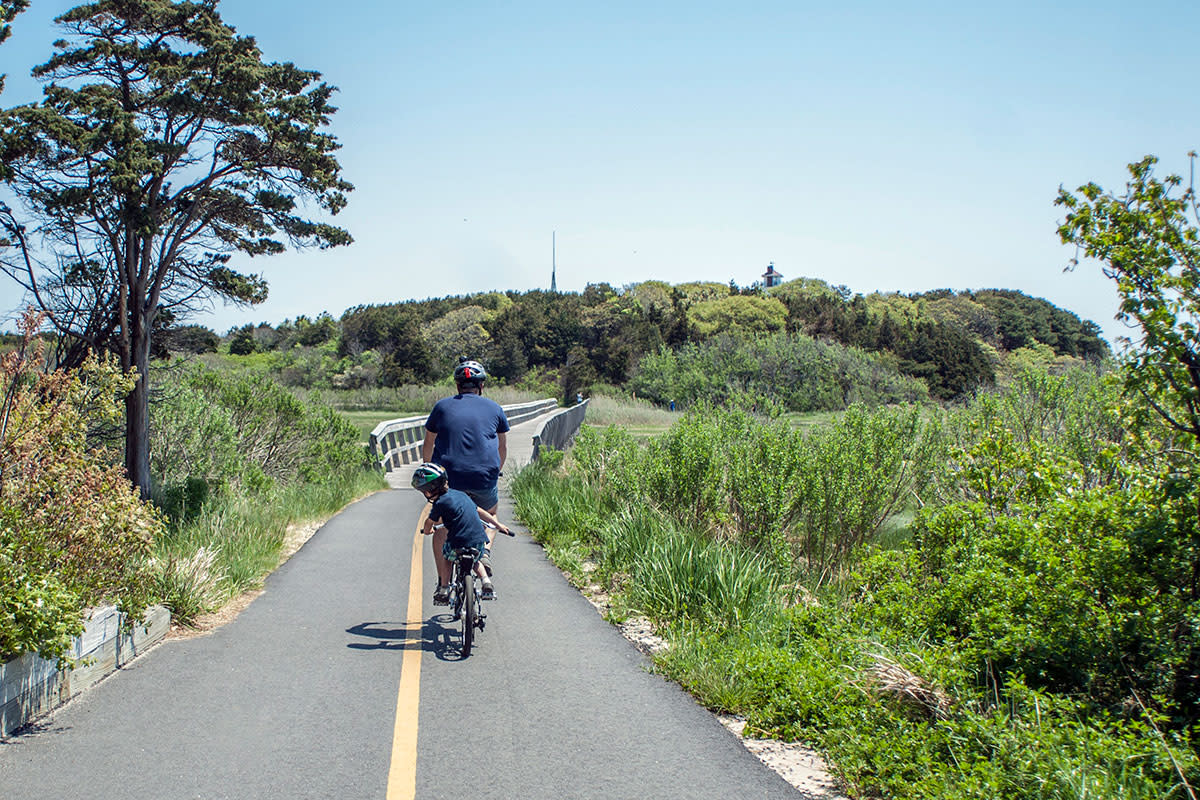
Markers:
{"x": 439, "y": 560}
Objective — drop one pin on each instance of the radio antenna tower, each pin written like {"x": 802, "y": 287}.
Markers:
{"x": 553, "y": 264}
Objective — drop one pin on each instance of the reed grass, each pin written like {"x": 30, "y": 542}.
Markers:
{"x": 236, "y": 541}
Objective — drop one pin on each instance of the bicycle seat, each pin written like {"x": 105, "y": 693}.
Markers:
{"x": 459, "y": 552}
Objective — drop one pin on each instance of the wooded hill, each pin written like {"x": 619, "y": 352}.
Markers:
{"x": 651, "y": 336}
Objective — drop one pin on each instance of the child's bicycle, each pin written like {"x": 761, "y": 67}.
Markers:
{"x": 466, "y": 595}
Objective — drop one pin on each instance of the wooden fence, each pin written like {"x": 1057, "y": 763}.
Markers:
{"x": 395, "y": 442}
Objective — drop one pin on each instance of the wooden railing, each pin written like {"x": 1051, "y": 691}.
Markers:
{"x": 559, "y": 429}
{"x": 398, "y": 441}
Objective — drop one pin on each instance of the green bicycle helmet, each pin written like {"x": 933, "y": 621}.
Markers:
{"x": 429, "y": 476}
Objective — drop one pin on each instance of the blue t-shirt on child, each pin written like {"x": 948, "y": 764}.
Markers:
{"x": 460, "y": 515}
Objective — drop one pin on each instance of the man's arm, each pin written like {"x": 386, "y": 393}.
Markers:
{"x": 502, "y": 446}
{"x": 427, "y": 447}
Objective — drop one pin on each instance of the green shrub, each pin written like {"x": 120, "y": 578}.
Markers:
{"x": 73, "y": 532}
{"x": 786, "y": 372}
{"x": 215, "y": 432}
{"x": 38, "y": 613}
{"x": 767, "y": 484}
{"x": 851, "y": 476}
{"x": 238, "y": 459}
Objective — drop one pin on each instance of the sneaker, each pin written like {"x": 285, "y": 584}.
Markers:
{"x": 441, "y": 595}
{"x": 489, "y": 591}
{"x": 486, "y": 561}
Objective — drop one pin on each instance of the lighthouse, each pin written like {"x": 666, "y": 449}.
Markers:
{"x": 771, "y": 277}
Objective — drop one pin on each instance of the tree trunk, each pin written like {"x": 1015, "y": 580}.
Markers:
{"x": 137, "y": 407}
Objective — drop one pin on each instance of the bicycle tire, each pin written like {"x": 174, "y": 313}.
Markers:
{"x": 468, "y": 616}
{"x": 456, "y": 599}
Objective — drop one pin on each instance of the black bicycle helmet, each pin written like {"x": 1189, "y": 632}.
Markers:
{"x": 429, "y": 476}
{"x": 469, "y": 373}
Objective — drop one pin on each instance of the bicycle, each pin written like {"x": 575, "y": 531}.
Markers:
{"x": 466, "y": 596}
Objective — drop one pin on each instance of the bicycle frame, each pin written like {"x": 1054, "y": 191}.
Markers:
{"x": 465, "y": 596}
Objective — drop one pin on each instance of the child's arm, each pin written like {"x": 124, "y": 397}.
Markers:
{"x": 429, "y": 526}
{"x": 493, "y": 521}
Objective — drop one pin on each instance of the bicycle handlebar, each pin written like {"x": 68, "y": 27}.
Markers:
{"x": 508, "y": 532}
{"x": 493, "y": 527}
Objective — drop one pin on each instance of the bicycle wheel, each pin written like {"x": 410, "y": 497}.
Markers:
{"x": 456, "y": 600}
{"x": 467, "y": 587}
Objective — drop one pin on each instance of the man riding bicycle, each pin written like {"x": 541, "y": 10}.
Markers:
{"x": 467, "y": 434}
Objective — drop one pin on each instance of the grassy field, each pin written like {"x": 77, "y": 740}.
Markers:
{"x": 366, "y": 421}
{"x": 645, "y": 420}
{"x": 639, "y": 417}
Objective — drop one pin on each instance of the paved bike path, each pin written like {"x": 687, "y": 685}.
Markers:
{"x": 277, "y": 703}
{"x": 297, "y": 697}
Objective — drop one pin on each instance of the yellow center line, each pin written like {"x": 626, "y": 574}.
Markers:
{"x": 402, "y": 775}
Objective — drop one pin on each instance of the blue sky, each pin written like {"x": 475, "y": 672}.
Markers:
{"x": 881, "y": 147}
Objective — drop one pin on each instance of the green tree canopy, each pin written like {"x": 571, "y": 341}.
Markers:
{"x": 163, "y": 147}
{"x": 1148, "y": 240}
{"x": 699, "y": 291}
{"x": 459, "y": 333}
{"x": 738, "y": 314}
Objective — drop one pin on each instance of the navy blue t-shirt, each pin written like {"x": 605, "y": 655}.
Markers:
{"x": 466, "y": 426}
{"x": 460, "y": 515}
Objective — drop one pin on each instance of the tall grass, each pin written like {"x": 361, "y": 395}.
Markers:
{"x": 237, "y": 540}
{"x": 628, "y": 412}
{"x": 669, "y": 571}
{"x": 858, "y": 665}
{"x": 683, "y": 575}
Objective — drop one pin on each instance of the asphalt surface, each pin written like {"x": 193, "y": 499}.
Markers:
{"x": 297, "y": 697}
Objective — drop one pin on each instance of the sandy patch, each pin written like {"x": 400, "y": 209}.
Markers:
{"x": 795, "y": 763}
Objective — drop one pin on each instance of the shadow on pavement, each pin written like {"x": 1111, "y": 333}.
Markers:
{"x": 439, "y": 635}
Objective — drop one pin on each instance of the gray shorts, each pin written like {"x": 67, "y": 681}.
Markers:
{"x": 487, "y": 499}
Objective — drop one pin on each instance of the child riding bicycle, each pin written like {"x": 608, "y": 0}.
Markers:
{"x": 464, "y": 527}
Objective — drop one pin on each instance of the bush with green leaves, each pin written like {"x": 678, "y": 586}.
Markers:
{"x": 214, "y": 430}
{"x": 770, "y": 487}
{"x": 1072, "y": 588}
{"x": 1034, "y": 638}
{"x": 788, "y": 372}
{"x": 812, "y": 674}
{"x": 73, "y": 532}
{"x": 38, "y": 612}
{"x": 237, "y": 459}
{"x": 1078, "y": 416}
